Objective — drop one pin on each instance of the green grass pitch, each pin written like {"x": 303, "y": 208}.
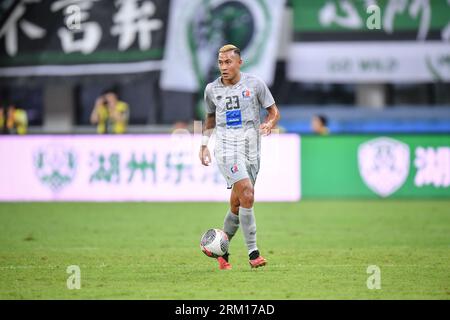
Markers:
{"x": 315, "y": 250}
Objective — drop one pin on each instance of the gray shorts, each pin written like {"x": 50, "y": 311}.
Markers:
{"x": 236, "y": 171}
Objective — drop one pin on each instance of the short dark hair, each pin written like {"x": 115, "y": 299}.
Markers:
{"x": 323, "y": 119}
{"x": 110, "y": 90}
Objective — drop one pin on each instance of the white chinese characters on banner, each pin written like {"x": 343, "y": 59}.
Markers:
{"x": 328, "y": 15}
{"x": 351, "y": 19}
{"x": 79, "y": 32}
{"x": 14, "y": 23}
{"x": 132, "y": 20}
{"x": 433, "y": 167}
{"x": 91, "y": 31}
{"x": 415, "y": 8}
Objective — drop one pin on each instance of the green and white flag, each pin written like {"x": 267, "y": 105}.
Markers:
{"x": 198, "y": 28}
{"x": 348, "y": 41}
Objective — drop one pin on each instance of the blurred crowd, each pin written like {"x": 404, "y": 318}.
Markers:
{"x": 110, "y": 114}
{"x": 13, "y": 120}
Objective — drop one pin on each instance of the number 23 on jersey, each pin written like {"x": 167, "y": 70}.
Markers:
{"x": 233, "y": 113}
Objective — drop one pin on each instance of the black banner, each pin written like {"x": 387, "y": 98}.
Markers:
{"x": 77, "y": 37}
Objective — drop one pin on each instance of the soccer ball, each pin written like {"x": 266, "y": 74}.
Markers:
{"x": 214, "y": 243}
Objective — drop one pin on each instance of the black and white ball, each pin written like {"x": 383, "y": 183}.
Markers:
{"x": 214, "y": 243}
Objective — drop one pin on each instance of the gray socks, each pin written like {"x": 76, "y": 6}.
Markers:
{"x": 231, "y": 224}
{"x": 248, "y": 223}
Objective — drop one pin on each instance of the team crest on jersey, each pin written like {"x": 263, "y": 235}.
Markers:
{"x": 246, "y": 94}
{"x": 234, "y": 168}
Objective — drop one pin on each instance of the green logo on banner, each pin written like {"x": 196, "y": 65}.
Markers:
{"x": 55, "y": 166}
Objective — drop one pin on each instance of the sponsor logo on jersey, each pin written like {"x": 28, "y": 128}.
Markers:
{"x": 246, "y": 94}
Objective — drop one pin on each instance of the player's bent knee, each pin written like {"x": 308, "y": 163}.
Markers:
{"x": 247, "y": 197}
{"x": 244, "y": 191}
{"x": 234, "y": 199}
{"x": 234, "y": 202}
{"x": 235, "y": 207}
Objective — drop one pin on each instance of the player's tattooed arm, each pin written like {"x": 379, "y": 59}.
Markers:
{"x": 210, "y": 124}
{"x": 271, "y": 121}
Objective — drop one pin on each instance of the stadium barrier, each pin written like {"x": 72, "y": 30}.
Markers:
{"x": 134, "y": 168}
{"x": 370, "y": 166}
{"x": 166, "y": 168}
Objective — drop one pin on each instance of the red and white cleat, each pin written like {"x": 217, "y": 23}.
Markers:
{"x": 258, "y": 262}
{"x": 223, "y": 264}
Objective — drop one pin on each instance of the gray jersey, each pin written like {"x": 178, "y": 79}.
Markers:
{"x": 237, "y": 110}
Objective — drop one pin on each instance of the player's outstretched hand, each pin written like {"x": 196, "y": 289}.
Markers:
{"x": 265, "y": 129}
{"x": 205, "y": 156}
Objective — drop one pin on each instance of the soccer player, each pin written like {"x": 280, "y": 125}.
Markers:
{"x": 233, "y": 103}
